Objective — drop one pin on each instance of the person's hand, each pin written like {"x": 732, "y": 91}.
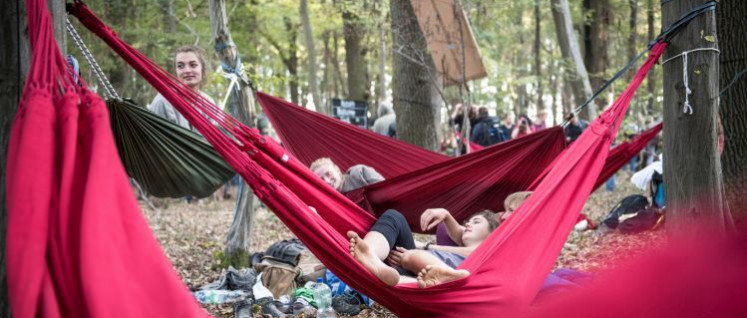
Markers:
{"x": 432, "y": 217}
{"x": 395, "y": 256}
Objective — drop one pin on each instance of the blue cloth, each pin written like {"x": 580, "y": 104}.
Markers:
{"x": 611, "y": 184}
{"x": 451, "y": 259}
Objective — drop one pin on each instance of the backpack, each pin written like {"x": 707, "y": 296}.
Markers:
{"x": 628, "y": 205}
{"x": 490, "y": 132}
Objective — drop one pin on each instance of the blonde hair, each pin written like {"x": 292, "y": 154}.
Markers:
{"x": 323, "y": 162}
{"x": 514, "y": 200}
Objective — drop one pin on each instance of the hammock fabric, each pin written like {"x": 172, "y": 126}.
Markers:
{"x": 310, "y": 135}
{"x": 166, "y": 159}
{"x": 463, "y": 185}
{"x": 77, "y": 244}
{"x": 506, "y": 270}
{"x": 466, "y": 184}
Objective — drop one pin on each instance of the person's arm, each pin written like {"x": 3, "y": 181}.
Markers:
{"x": 461, "y": 250}
{"x": 432, "y": 217}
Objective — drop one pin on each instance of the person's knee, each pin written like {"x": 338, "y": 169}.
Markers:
{"x": 395, "y": 215}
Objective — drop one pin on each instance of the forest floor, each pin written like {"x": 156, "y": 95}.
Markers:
{"x": 191, "y": 234}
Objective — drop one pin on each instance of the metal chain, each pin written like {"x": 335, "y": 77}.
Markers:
{"x": 91, "y": 61}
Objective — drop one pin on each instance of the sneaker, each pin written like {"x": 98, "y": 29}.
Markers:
{"x": 346, "y": 304}
{"x": 284, "y": 304}
{"x": 243, "y": 308}
{"x": 300, "y": 305}
{"x": 268, "y": 307}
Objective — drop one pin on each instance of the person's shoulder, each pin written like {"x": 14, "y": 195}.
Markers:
{"x": 206, "y": 96}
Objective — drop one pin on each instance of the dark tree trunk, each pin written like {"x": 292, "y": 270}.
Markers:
{"x": 632, "y": 23}
{"x": 238, "y": 241}
{"x": 355, "y": 56}
{"x": 596, "y": 51}
{"x": 169, "y": 19}
{"x": 311, "y": 56}
{"x": 520, "y": 89}
{"x": 340, "y": 88}
{"x": 325, "y": 86}
{"x": 576, "y": 74}
{"x": 292, "y": 62}
{"x": 732, "y": 31}
{"x": 538, "y": 54}
{"x": 651, "y": 78}
{"x": 417, "y": 101}
{"x": 692, "y": 176}
{"x": 15, "y": 57}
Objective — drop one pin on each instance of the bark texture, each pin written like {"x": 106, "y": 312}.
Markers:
{"x": 692, "y": 175}
{"x": 308, "y": 36}
{"x": 238, "y": 241}
{"x": 355, "y": 56}
{"x": 576, "y": 74}
{"x": 732, "y": 32}
{"x": 417, "y": 101}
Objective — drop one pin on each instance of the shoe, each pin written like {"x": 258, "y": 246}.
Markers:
{"x": 347, "y": 304}
{"x": 300, "y": 305}
{"x": 243, "y": 308}
{"x": 284, "y": 304}
{"x": 268, "y": 307}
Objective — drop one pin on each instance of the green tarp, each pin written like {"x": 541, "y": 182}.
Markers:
{"x": 166, "y": 159}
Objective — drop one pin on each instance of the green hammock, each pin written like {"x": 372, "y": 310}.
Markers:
{"x": 166, "y": 159}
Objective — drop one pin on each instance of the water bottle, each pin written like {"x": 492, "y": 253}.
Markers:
{"x": 323, "y": 299}
{"x": 219, "y": 296}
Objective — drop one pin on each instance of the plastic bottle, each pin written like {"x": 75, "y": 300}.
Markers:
{"x": 323, "y": 299}
{"x": 219, "y": 296}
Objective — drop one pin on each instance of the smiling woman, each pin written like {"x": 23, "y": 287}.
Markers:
{"x": 189, "y": 66}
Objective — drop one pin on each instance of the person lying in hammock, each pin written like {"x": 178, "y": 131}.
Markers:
{"x": 356, "y": 177}
{"x": 391, "y": 239}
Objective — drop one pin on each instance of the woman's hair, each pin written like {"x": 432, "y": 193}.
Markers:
{"x": 515, "y": 199}
{"x": 490, "y": 216}
{"x": 323, "y": 162}
{"x": 200, "y": 57}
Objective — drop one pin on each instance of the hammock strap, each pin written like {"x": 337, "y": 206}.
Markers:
{"x": 108, "y": 88}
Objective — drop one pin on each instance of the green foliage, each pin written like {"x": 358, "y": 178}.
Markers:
{"x": 504, "y": 31}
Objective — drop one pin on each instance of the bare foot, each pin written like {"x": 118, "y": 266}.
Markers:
{"x": 433, "y": 275}
{"x": 360, "y": 251}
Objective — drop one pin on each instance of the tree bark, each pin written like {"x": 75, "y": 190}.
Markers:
{"x": 692, "y": 176}
{"x": 381, "y": 80}
{"x": 651, "y": 78}
{"x": 732, "y": 28}
{"x": 238, "y": 241}
{"x": 576, "y": 75}
{"x": 355, "y": 55}
{"x": 169, "y": 19}
{"x": 417, "y": 101}
{"x": 292, "y": 62}
{"x": 538, "y": 54}
{"x": 632, "y": 25}
{"x": 340, "y": 88}
{"x": 596, "y": 49}
{"x": 311, "y": 57}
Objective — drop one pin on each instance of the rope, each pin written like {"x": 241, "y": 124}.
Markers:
{"x": 108, "y": 88}
{"x": 687, "y": 108}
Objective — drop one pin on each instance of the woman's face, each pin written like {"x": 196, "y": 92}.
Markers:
{"x": 189, "y": 69}
{"x": 476, "y": 230}
{"x": 330, "y": 175}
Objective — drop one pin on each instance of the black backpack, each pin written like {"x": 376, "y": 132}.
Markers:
{"x": 628, "y": 205}
{"x": 491, "y": 132}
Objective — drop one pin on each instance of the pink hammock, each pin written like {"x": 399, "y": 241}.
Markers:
{"x": 506, "y": 271}
{"x": 77, "y": 243}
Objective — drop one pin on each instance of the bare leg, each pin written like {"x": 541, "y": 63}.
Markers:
{"x": 433, "y": 275}
{"x": 415, "y": 260}
{"x": 365, "y": 253}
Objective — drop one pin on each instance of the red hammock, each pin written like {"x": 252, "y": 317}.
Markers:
{"x": 77, "y": 244}
{"x": 506, "y": 271}
{"x": 424, "y": 179}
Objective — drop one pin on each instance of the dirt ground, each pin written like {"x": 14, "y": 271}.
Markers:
{"x": 191, "y": 234}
